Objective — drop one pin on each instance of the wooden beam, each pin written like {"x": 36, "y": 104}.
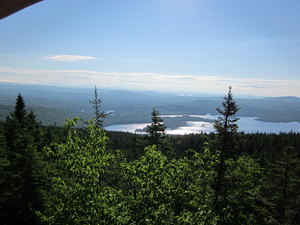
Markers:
{"x": 8, "y": 7}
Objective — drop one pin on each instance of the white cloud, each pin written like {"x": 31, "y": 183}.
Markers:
{"x": 152, "y": 81}
{"x": 68, "y": 58}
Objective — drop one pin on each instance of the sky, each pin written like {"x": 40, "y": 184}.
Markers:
{"x": 197, "y": 46}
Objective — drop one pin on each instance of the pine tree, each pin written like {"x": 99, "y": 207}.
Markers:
{"x": 226, "y": 143}
{"x": 282, "y": 186}
{"x": 157, "y": 128}
{"x": 226, "y": 126}
{"x": 20, "y": 113}
{"x": 99, "y": 116}
{"x": 22, "y": 189}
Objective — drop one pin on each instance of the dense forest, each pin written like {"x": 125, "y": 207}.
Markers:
{"x": 81, "y": 174}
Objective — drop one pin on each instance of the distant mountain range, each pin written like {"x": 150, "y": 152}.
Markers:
{"x": 54, "y": 104}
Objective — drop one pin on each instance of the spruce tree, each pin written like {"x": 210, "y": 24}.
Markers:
{"x": 22, "y": 189}
{"x": 157, "y": 128}
{"x": 99, "y": 115}
{"x": 226, "y": 126}
{"x": 225, "y": 145}
{"x": 282, "y": 186}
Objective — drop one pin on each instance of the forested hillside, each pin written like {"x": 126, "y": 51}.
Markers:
{"x": 67, "y": 175}
{"x": 52, "y": 105}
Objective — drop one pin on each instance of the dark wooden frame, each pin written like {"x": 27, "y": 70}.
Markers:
{"x": 8, "y": 7}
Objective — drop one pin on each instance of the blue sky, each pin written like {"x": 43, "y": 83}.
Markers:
{"x": 174, "y": 45}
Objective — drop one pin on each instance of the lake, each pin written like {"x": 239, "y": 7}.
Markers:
{"x": 246, "y": 124}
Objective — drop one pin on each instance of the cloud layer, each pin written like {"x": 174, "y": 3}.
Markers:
{"x": 68, "y": 58}
{"x": 151, "y": 81}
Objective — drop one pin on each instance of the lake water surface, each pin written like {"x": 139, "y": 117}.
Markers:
{"x": 246, "y": 124}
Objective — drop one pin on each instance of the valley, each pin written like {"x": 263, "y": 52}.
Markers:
{"x": 53, "y": 105}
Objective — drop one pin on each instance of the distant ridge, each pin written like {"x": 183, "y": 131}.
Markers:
{"x": 52, "y": 104}
{"x": 284, "y": 98}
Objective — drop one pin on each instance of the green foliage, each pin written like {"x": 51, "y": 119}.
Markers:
{"x": 282, "y": 187}
{"x": 226, "y": 126}
{"x": 226, "y": 144}
{"x": 163, "y": 191}
{"x": 242, "y": 201}
{"x": 151, "y": 188}
{"x": 99, "y": 115}
{"x": 198, "y": 182}
{"x": 23, "y": 181}
{"x": 156, "y": 135}
{"x": 77, "y": 169}
{"x": 157, "y": 128}
{"x": 77, "y": 176}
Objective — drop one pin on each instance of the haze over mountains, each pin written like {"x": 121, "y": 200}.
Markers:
{"x": 53, "y": 105}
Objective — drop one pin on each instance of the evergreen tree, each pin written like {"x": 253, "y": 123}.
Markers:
{"x": 23, "y": 187}
{"x": 20, "y": 113}
{"x": 99, "y": 115}
{"x": 157, "y": 128}
{"x": 225, "y": 145}
{"x": 226, "y": 126}
{"x": 4, "y": 174}
{"x": 282, "y": 187}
